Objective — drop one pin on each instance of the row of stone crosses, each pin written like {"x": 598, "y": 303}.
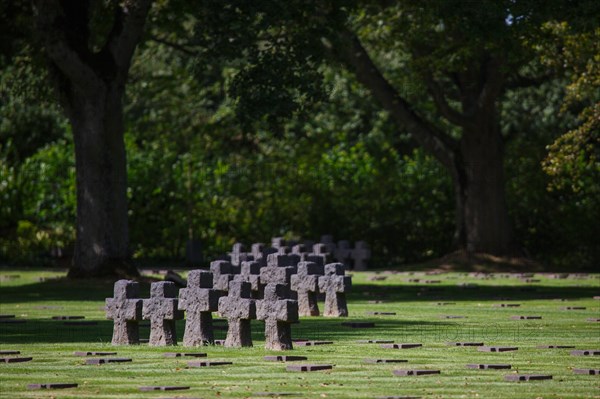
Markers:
{"x": 276, "y": 291}
{"x": 323, "y": 252}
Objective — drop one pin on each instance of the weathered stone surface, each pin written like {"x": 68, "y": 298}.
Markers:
{"x": 198, "y": 300}
{"x": 308, "y": 367}
{"x": 236, "y": 252}
{"x": 489, "y": 366}
{"x": 84, "y": 353}
{"x": 586, "y": 352}
{"x": 250, "y": 273}
{"x": 527, "y": 377}
{"x": 497, "y": 348}
{"x": 223, "y": 272}
{"x": 306, "y": 285}
{"x": 239, "y": 309}
{"x": 277, "y": 242}
{"x": 401, "y": 346}
{"x": 385, "y": 361}
{"x": 415, "y": 372}
{"x": 163, "y": 388}
{"x": 587, "y": 371}
{"x": 161, "y": 310}
{"x": 278, "y": 312}
{"x": 312, "y": 343}
{"x": 284, "y": 358}
{"x": 15, "y": 359}
{"x": 360, "y": 255}
{"x": 335, "y": 285}
{"x": 52, "y": 385}
{"x": 375, "y": 341}
{"x": 107, "y": 360}
{"x": 125, "y": 309}
{"x": 208, "y": 363}
{"x": 180, "y": 354}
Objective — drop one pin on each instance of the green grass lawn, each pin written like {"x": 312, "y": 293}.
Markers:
{"x": 418, "y": 319}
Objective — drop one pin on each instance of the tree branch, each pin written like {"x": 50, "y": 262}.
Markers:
{"x": 442, "y": 105}
{"x": 175, "y": 46}
{"x": 436, "y": 142}
{"x": 126, "y": 32}
{"x": 67, "y": 59}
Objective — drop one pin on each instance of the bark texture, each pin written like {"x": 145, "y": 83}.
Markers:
{"x": 91, "y": 86}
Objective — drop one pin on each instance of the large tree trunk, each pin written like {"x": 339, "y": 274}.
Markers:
{"x": 102, "y": 241}
{"x": 482, "y": 223}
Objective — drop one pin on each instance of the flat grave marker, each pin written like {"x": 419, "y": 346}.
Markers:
{"x": 375, "y": 341}
{"x": 208, "y": 363}
{"x": 52, "y": 385}
{"x": 98, "y": 361}
{"x": 506, "y": 305}
{"x": 527, "y": 377}
{"x": 587, "y": 371}
{"x": 381, "y": 313}
{"x": 163, "y": 388}
{"x": 284, "y": 358}
{"x": 574, "y": 308}
{"x": 377, "y": 361}
{"x": 489, "y": 366}
{"x": 555, "y": 346}
{"x": 586, "y": 352}
{"x": 464, "y": 343}
{"x": 68, "y": 317}
{"x": 90, "y": 353}
{"x": 308, "y": 367}
{"x": 497, "y": 348}
{"x": 400, "y": 346}
{"x": 526, "y": 317}
{"x": 15, "y": 359}
{"x": 312, "y": 343}
{"x": 10, "y": 352}
{"x": 404, "y": 372}
{"x": 180, "y": 354}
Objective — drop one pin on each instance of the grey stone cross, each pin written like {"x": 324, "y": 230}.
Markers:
{"x": 238, "y": 308}
{"x": 278, "y": 312}
{"x": 306, "y": 284}
{"x": 126, "y": 311}
{"x": 250, "y": 272}
{"x": 279, "y": 270}
{"x": 361, "y": 254}
{"x": 161, "y": 310}
{"x": 223, "y": 272}
{"x": 335, "y": 285}
{"x": 199, "y": 300}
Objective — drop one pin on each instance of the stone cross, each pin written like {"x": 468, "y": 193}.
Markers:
{"x": 278, "y": 312}
{"x": 250, "y": 272}
{"x": 257, "y": 250}
{"x": 277, "y": 242}
{"x": 306, "y": 284}
{"x": 299, "y": 249}
{"x": 361, "y": 254}
{"x": 161, "y": 310}
{"x": 126, "y": 311}
{"x": 343, "y": 252}
{"x": 199, "y": 300}
{"x": 223, "y": 272}
{"x": 329, "y": 243}
{"x": 278, "y": 270}
{"x": 236, "y": 251}
{"x": 335, "y": 285}
{"x": 239, "y": 309}
{"x": 320, "y": 250}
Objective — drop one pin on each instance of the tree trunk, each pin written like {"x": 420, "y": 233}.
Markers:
{"x": 482, "y": 223}
{"x": 101, "y": 247}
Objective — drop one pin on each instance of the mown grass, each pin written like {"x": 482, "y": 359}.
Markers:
{"x": 418, "y": 319}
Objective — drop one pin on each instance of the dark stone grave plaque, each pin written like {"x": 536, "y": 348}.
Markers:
{"x": 15, "y": 359}
{"x": 52, "y": 386}
{"x": 179, "y": 354}
{"x": 593, "y": 319}
{"x": 497, "y": 348}
{"x": 375, "y": 301}
{"x": 449, "y": 316}
{"x": 308, "y": 367}
{"x": 208, "y": 364}
{"x": 401, "y": 346}
{"x": 526, "y": 317}
{"x": 397, "y": 397}
{"x": 68, "y": 317}
{"x": 415, "y": 372}
{"x": 108, "y": 360}
{"x": 10, "y": 352}
{"x": 586, "y": 352}
{"x": 375, "y": 341}
{"x": 464, "y": 343}
{"x": 506, "y": 305}
{"x": 587, "y": 371}
{"x": 385, "y": 361}
{"x": 527, "y": 377}
{"x": 489, "y": 366}
{"x": 555, "y": 346}
{"x": 312, "y": 343}
{"x": 445, "y": 303}
{"x": 574, "y": 308}
{"x": 381, "y": 313}
{"x": 83, "y": 353}
{"x": 163, "y": 388}
{"x": 284, "y": 358}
